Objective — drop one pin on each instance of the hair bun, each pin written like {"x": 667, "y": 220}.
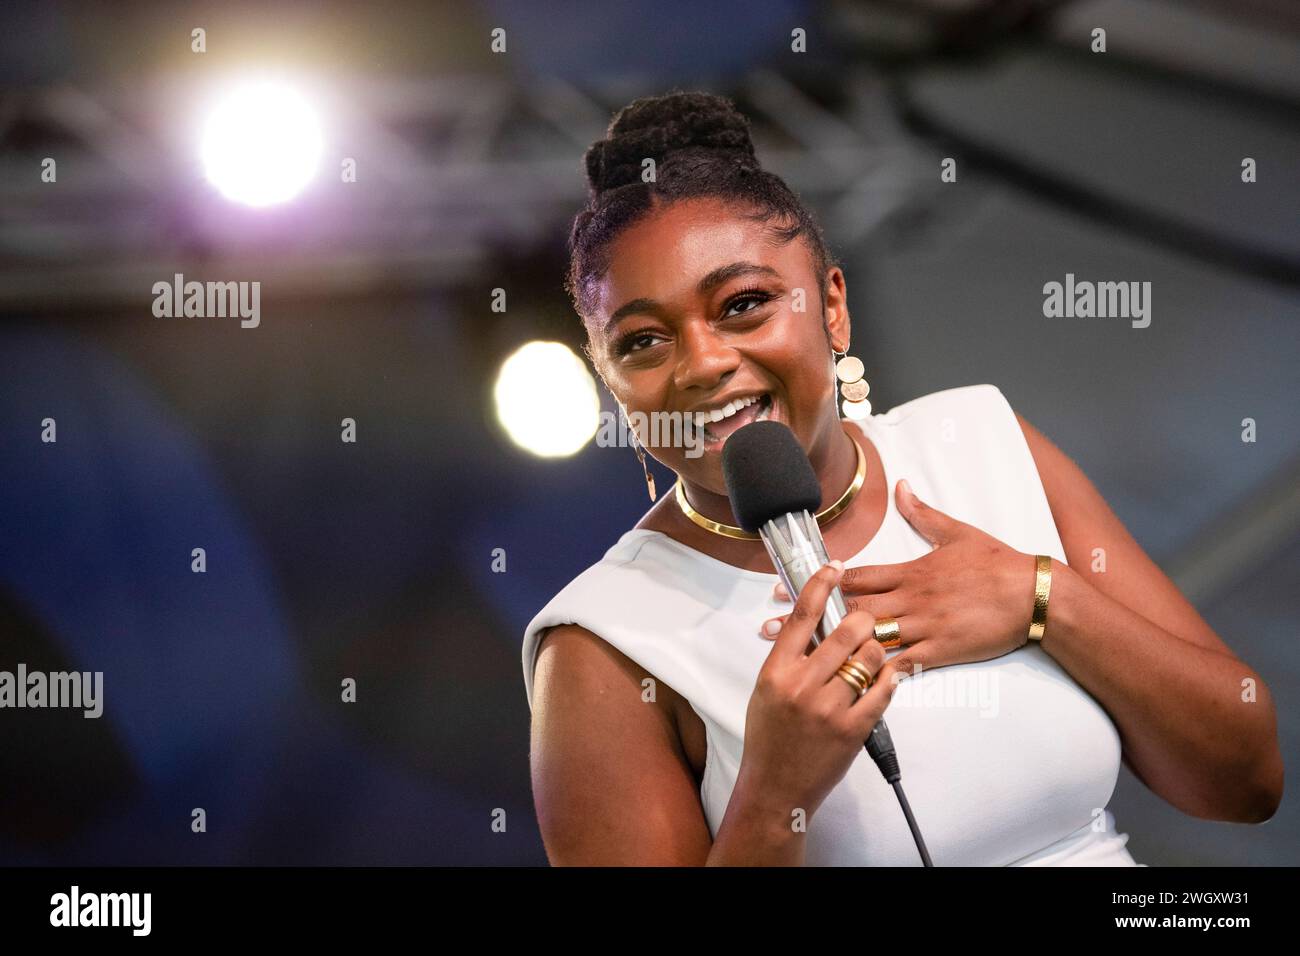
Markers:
{"x": 657, "y": 126}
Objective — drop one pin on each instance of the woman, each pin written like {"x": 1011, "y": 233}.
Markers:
{"x": 681, "y": 715}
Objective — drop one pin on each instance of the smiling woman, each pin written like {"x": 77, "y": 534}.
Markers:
{"x": 680, "y": 716}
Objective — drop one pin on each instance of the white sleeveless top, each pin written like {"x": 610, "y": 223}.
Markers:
{"x": 1005, "y": 762}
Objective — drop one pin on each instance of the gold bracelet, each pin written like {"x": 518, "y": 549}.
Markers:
{"x": 1042, "y": 588}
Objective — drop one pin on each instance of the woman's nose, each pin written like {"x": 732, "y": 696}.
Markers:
{"x": 704, "y": 360}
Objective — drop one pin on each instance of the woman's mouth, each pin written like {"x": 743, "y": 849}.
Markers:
{"x": 734, "y": 416}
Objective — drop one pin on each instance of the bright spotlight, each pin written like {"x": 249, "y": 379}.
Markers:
{"x": 261, "y": 144}
{"x": 546, "y": 399}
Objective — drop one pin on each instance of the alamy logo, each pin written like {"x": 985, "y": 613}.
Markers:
{"x": 653, "y": 430}
{"x": 208, "y": 300}
{"x": 1103, "y": 300}
{"x": 102, "y": 909}
{"x": 82, "y": 690}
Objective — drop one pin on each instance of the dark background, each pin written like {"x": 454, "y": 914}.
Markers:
{"x": 373, "y": 560}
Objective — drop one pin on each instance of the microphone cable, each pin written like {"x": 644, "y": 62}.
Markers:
{"x": 880, "y": 745}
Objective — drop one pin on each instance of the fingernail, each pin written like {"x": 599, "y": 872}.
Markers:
{"x": 771, "y": 628}
{"x": 837, "y": 564}
{"x": 780, "y": 593}
{"x": 907, "y": 489}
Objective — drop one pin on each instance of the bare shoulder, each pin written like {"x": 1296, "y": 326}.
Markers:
{"x": 610, "y": 781}
{"x": 572, "y": 658}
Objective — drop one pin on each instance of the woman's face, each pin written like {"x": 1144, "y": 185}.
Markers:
{"x": 700, "y": 308}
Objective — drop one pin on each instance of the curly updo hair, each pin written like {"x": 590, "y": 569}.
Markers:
{"x": 701, "y": 147}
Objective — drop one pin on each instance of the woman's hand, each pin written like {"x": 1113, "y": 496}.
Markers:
{"x": 805, "y": 725}
{"x": 969, "y": 599}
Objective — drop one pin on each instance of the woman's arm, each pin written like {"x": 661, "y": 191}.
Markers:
{"x": 610, "y": 780}
{"x": 1198, "y": 725}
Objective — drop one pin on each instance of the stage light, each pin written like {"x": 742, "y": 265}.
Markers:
{"x": 261, "y": 144}
{"x": 546, "y": 399}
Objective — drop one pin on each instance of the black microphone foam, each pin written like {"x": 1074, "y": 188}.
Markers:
{"x": 768, "y": 474}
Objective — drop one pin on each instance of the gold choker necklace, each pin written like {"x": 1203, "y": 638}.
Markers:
{"x": 825, "y": 516}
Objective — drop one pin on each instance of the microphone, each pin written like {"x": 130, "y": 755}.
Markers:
{"x": 774, "y": 492}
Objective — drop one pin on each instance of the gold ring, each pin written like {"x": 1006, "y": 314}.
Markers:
{"x": 888, "y": 633}
{"x": 860, "y": 669}
{"x": 856, "y": 674}
{"x": 851, "y": 678}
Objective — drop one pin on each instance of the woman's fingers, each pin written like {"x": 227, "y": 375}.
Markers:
{"x": 801, "y": 623}
{"x": 872, "y": 578}
{"x": 868, "y": 579}
{"x": 852, "y": 634}
{"x": 910, "y": 627}
{"x": 867, "y": 710}
{"x": 868, "y": 655}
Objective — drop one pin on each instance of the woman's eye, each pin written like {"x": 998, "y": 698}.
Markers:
{"x": 630, "y": 343}
{"x": 756, "y": 298}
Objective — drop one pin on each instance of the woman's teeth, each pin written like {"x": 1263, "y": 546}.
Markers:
{"x": 726, "y": 411}
{"x": 734, "y": 416}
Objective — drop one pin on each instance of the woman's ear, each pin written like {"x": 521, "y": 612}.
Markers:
{"x": 836, "y": 311}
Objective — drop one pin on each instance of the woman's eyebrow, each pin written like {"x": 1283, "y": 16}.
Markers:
{"x": 706, "y": 285}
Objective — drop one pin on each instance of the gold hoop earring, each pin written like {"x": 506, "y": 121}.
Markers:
{"x": 849, "y": 370}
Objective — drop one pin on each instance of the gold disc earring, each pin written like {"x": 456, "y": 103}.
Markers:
{"x": 849, "y": 370}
